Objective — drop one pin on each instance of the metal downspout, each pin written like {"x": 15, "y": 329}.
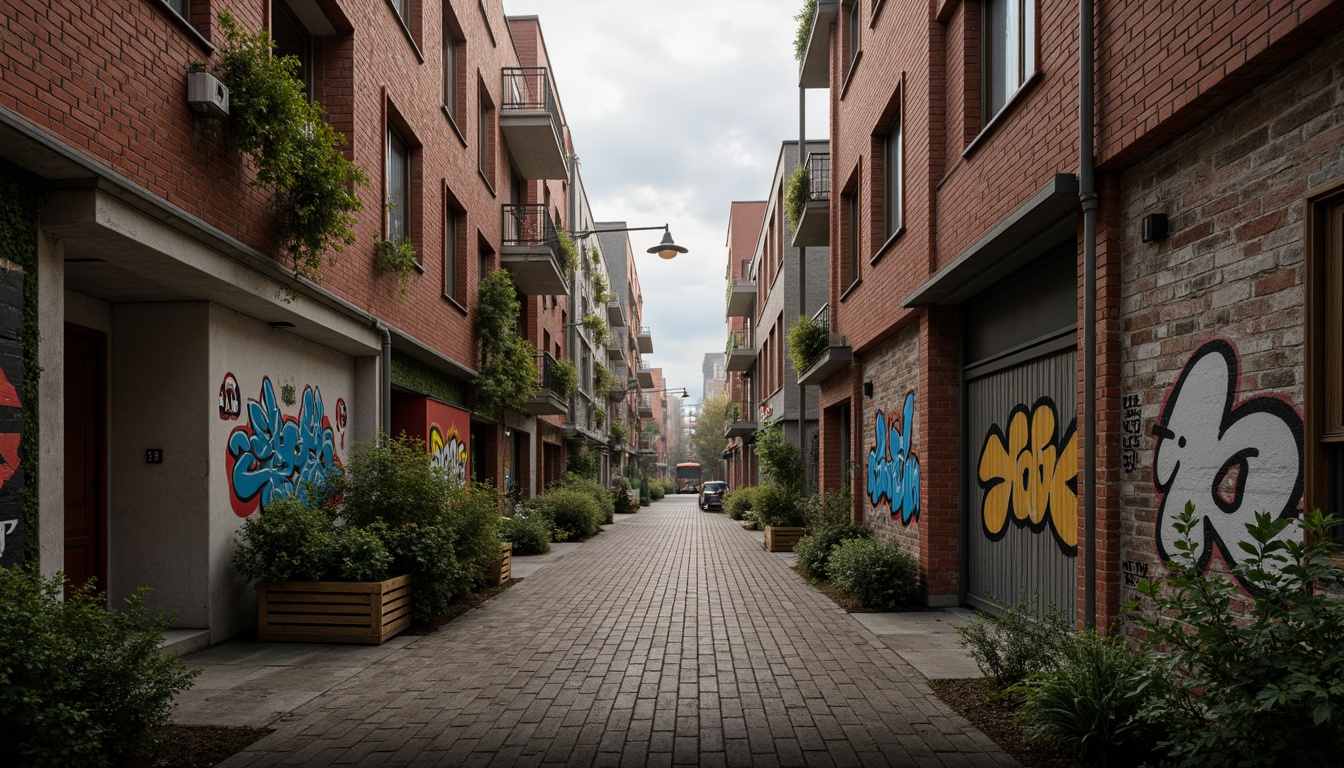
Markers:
{"x": 385, "y": 387}
{"x": 1087, "y": 195}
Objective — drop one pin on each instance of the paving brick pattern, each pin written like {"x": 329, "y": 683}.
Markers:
{"x": 670, "y": 639}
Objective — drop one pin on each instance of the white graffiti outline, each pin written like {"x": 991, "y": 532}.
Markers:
{"x": 1230, "y": 459}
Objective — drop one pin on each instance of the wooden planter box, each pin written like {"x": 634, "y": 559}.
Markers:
{"x": 781, "y": 538}
{"x": 501, "y": 567}
{"x": 367, "y": 612}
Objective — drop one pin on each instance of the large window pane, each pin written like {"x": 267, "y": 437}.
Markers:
{"x": 893, "y": 181}
{"x": 398, "y": 187}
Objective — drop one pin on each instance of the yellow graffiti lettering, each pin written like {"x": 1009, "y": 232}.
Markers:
{"x": 1026, "y": 474}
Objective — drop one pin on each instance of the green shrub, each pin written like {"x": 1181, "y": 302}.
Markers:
{"x": 620, "y": 493}
{"x": 1264, "y": 687}
{"x": 781, "y": 461}
{"x": 601, "y": 495}
{"x": 835, "y": 508}
{"x": 287, "y": 540}
{"x": 1092, "y": 701}
{"x": 814, "y": 551}
{"x": 796, "y": 192}
{"x": 359, "y": 554}
{"x": 1017, "y": 644}
{"x": 79, "y": 685}
{"x": 575, "y": 514}
{"x": 739, "y": 502}
{"x": 529, "y": 534}
{"x": 805, "y": 18}
{"x": 878, "y": 575}
{"x": 779, "y": 505}
{"x": 656, "y": 490}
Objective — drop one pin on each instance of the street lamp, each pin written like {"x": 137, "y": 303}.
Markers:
{"x": 667, "y": 249}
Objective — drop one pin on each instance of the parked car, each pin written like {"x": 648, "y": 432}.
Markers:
{"x": 711, "y": 495}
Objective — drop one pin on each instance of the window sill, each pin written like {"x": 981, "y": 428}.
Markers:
{"x": 878, "y": 5}
{"x": 456, "y": 304}
{"x": 849, "y": 76}
{"x": 489, "y": 185}
{"x": 1002, "y": 115}
{"x": 453, "y": 122}
{"x": 192, "y": 32}
{"x": 887, "y": 245}
{"x": 852, "y": 286}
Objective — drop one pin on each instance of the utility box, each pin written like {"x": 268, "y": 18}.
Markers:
{"x": 206, "y": 94}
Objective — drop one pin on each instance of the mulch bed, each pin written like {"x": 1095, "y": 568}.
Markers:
{"x": 994, "y": 713}
{"x": 466, "y": 603}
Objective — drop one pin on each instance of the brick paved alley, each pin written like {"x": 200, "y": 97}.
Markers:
{"x": 671, "y": 638}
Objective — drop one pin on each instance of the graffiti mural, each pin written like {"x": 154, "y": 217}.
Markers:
{"x": 1132, "y": 430}
{"x": 11, "y": 475}
{"x": 342, "y": 418}
{"x": 276, "y": 454}
{"x": 1230, "y": 459}
{"x": 893, "y": 467}
{"x": 230, "y": 399}
{"x": 1030, "y": 474}
{"x": 448, "y": 452}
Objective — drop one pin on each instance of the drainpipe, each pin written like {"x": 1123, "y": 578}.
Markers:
{"x": 802, "y": 286}
{"x": 1087, "y": 195}
{"x": 385, "y": 406}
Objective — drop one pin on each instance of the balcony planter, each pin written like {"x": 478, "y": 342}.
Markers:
{"x": 782, "y": 538}
{"x": 366, "y": 612}
{"x": 836, "y": 357}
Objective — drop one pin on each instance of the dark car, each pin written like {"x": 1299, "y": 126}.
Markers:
{"x": 711, "y": 495}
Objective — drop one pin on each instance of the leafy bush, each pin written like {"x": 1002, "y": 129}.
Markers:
{"x": 1092, "y": 701}
{"x": 575, "y": 513}
{"x": 834, "y": 508}
{"x": 79, "y": 685}
{"x": 808, "y": 338}
{"x": 397, "y": 257}
{"x": 529, "y": 534}
{"x": 1264, "y": 688}
{"x": 781, "y": 462}
{"x": 805, "y": 17}
{"x": 779, "y": 505}
{"x": 739, "y": 502}
{"x": 814, "y": 551}
{"x": 601, "y": 495}
{"x": 795, "y": 195}
{"x": 288, "y": 540}
{"x": 620, "y": 493}
{"x": 1017, "y": 644}
{"x": 656, "y": 491}
{"x": 878, "y": 575}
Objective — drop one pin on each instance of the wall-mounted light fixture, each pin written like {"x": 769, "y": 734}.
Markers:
{"x": 867, "y": 389}
{"x": 1154, "y": 227}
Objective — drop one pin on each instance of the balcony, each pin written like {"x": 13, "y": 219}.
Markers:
{"x": 551, "y": 398}
{"x": 835, "y": 357}
{"x": 615, "y": 343}
{"x": 741, "y": 353}
{"x": 814, "y": 70}
{"x": 646, "y": 445}
{"x": 531, "y": 251}
{"x": 646, "y": 376}
{"x": 742, "y": 299}
{"x": 814, "y": 225}
{"x": 615, "y": 315}
{"x": 740, "y": 429}
{"x": 645, "y": 340}
{"x": 530, "y": 121}
{"x": 645, "y": 407}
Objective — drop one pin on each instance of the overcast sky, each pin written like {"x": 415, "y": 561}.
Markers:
{"x": 677, "y": 109}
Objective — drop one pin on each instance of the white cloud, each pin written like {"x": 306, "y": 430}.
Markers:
{"x": 677, "y": 109}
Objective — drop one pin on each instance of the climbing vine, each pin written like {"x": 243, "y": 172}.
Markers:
{"x": 295, "y": 151}
{"x": 397, "y": 257}
{"x": 508, "y": 375}
{"x": 426, "y": 379}
{"x": 19, "y": 195}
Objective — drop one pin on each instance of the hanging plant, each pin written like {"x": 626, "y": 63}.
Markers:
{"x": 603, "y": 380}
{"x": 808, "y": 338}
{"x": 566, "y": 377}
{"x": 805, "y": 19}
{"x": 599, "y": 285}
{"x": 569, "y": 255}
{"x": 295, "y": 151}
{"x": 597, "y": 328}
{"x": 795, "y": 197}
{"x": 599, "y": 417}
{"x": 594, "y": 258}
{"x": 508, "y": 375}
{"x": 618, "y": 433}
{"x": 398, "y": 257}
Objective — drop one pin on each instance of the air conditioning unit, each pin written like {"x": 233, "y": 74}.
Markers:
{"x": 206, "y": 94}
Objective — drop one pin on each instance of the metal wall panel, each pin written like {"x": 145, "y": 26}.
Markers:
{"x": 1033, "y": 552}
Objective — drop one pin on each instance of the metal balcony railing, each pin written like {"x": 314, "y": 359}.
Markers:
{"x": 819, "y": 176}
{"x": 529, "y": 89}
{"x": 527, "y": 225}
{"x": 740, "y": 340}
{"x": 548, "y": 380}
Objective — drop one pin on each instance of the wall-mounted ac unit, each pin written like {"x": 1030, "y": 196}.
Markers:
{"x": 206, "y": 94}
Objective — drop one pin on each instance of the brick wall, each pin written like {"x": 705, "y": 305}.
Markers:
{"x": 894, "y": 369}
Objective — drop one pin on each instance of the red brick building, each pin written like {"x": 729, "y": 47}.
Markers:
{"x": 199, "y": 375}
{"x": 1001, "y": 287}
{"x": 745, "y": 219}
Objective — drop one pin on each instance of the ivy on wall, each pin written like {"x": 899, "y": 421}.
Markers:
{"x": 426, "y": 379}
{"x": 19, "y": 196}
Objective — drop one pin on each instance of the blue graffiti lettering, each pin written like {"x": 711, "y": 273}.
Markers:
{"x": 893, "y": 467}
{"x": 276, "y": 455}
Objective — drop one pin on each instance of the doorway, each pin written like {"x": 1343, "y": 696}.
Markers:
{"x": 85, "y": 458}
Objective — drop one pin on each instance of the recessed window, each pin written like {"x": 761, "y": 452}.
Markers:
{"x": 398, "y": 198}
{"x": 453, "y": 281}
{"x": 292, "y": 39}
{"x": 1008, "y": 32}
{"x": 849, "y": 203}
{"x": 181, "y": 7}
{"x": 854, "y": 24}
{"x": 1324, "y": 412}
{"x": 452, "y": 65}
{"x": 403, "y": 8}
{"x": 485, "y": 121}
{"x": 892, "y": 162}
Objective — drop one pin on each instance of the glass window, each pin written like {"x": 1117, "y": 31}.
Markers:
{"x": 450, "y": 46}
{"x": 398, "y": 187}
{"x": 851, "y": 203}
{"x": 893, "y": 161}
{"x": 179, "y": 6}
{"x": 1009, "y": 33}
{"x": 1324, "y": 364}
{"x": 452, "y": 278}
{"x": 854, "y": 28}
{"x": 292, "y": 39}
{"x": 403, "y": 8}
{"x": 484, "y": 121}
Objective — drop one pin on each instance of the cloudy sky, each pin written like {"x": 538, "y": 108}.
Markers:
{"x": 677, "y": 109}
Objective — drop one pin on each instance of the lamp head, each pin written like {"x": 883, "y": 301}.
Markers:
{"x": 667, "y": 249}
